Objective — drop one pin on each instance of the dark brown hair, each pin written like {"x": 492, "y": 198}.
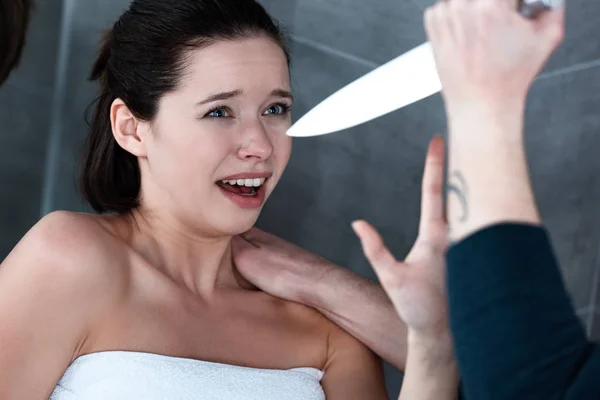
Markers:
{"x": 142, "y": 58}
{"x": 14, "y": 20}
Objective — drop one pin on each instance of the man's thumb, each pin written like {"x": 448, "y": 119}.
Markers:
{"x": 551, "y": 25}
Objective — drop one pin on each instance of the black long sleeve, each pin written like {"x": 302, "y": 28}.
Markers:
{"x": 516, "y": 333}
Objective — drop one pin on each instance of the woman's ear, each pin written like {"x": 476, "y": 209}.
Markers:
{"x": 127, "y": 129}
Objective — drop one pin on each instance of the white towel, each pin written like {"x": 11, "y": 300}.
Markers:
{"x": 124, "y": 375}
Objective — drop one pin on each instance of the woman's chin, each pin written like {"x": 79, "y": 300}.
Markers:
{"x": 234, "y": 228}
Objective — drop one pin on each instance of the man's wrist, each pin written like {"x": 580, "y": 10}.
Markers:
{"x": 486, "y": 120}
{"x": 437, "y": 348}
{"x": 488, "y": 179}
{"x": 488, "y": 107}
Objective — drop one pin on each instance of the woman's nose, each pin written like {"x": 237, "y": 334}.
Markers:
{"x": 255, "y": 143}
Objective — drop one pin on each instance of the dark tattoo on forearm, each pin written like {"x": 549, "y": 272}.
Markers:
{"x": 457, "y": 186}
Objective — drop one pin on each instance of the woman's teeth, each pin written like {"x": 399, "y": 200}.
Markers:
{"x": 256, "y": 182}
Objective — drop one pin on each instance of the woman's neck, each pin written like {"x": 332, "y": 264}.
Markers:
{"x": 199, "y": 263}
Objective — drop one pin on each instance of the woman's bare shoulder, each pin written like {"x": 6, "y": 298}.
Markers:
{"x": 70, "y": 235}
{"x": 55, "y": 286}
{"x": 68, "y": 246}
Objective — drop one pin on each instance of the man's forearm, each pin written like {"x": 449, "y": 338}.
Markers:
{"x": 362, "y": 308}
{"x": 488, "y": 179}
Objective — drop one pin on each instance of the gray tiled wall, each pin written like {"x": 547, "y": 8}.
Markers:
{"x": 25, "y": 117}
{"x": 372, "y": 171}
{"x": 88, "y": 19}
{"x": 563, "y": 138}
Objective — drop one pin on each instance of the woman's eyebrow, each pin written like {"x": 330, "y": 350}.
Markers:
{"x": 228, "y": 95}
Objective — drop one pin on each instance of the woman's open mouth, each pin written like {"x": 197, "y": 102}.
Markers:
{"x": 242, "y": 187}
{"x": 245, "y": 193}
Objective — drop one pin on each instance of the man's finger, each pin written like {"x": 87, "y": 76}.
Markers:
{"x": 429, "y": 21}
{"x": 432, "y": 189}
{"x": 378, "y": 255}
{"x": 256, "y": 235}
{"x": 511, "y": 4}
{"x": 440, "y": 22}
{"x": 552, "y": 24}
{"x": 241, "y": 243}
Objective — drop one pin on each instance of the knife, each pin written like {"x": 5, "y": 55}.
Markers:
{"x": 402, "y": 81}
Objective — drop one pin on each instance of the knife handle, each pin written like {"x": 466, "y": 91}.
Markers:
{"x": 531, "y": 8}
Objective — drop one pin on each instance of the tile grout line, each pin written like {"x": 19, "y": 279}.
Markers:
{"x": 570, "y": 69}
{"x": 330, "y": 50}
{"x": 371, "y": 64}
{"x": 58, "y": 101}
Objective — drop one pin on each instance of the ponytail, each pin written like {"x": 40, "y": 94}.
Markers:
{"x": 110, "y": 176}
{"x": 101, "y": 63}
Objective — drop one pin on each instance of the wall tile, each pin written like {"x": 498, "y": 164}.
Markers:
{"x": 381, "y": 30}
{"x": 80, "y": 94}
{"x": 562, "y": 142}
{"x": 24, "y": 117}
{"x": 37, "y": 68}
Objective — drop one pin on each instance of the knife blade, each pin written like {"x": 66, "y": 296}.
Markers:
{"x": 402, "y": 81}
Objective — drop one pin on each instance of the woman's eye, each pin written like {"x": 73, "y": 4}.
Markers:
{"x": 277, "y": 109}
{"x": 218, "y": 113}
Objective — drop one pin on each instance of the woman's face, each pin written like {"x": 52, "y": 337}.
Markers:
{"x": 218, "y": 145}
